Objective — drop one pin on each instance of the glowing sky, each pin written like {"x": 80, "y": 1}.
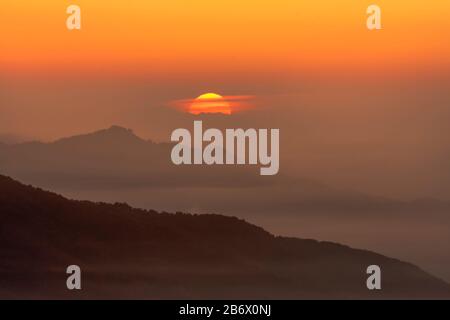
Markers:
{"x": 198, "y": 35}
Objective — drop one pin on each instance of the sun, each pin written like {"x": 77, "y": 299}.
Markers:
{"x": 210, "y": 103}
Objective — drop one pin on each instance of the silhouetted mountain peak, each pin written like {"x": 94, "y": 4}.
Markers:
{"x": 112, "y": 135}
{"x": 114, "y": 131}
{"x": 117, "y": 130}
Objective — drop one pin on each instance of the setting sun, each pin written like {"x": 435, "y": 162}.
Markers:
{"x": 210, "y": 103}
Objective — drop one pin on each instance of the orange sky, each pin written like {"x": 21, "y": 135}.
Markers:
{"x": 205, "y": 35}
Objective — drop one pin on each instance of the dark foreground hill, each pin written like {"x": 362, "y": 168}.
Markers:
{"x": 131, "y": 253}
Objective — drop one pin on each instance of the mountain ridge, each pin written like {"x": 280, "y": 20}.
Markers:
{"x": 115, "y": 157}
{"x": 135, "y": 253}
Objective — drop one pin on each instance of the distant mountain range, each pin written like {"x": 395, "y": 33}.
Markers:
{"x": 113, "y": 157}
{"x": 132, "y": 253}
{"x": 116, "y": 159}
